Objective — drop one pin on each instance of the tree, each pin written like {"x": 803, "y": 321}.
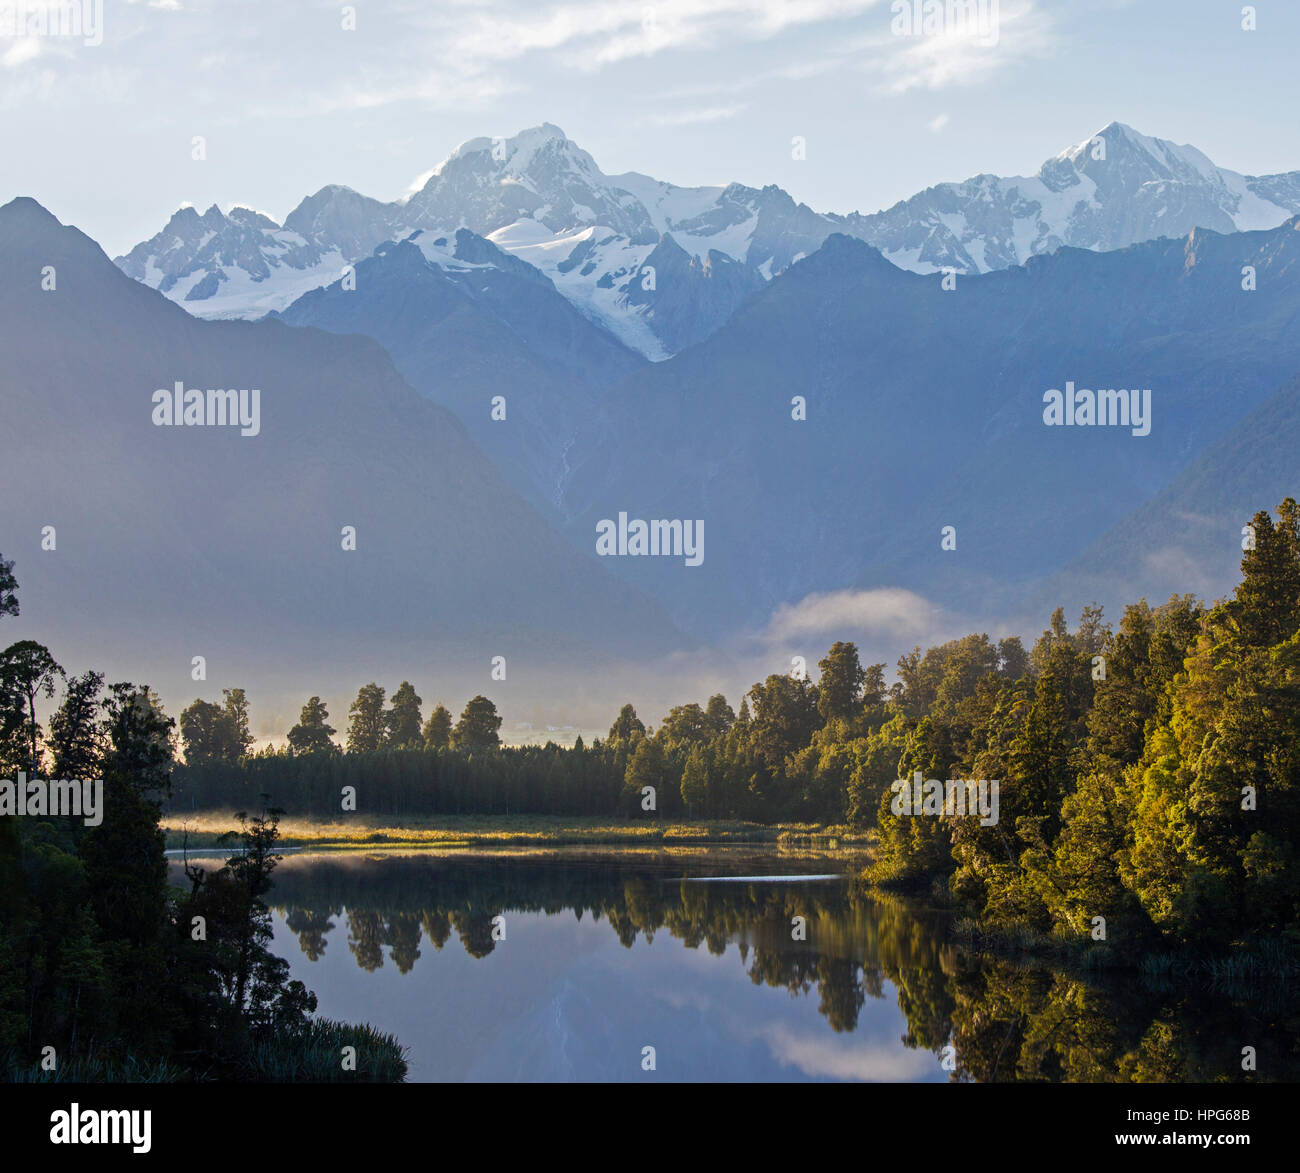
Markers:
{"x": 366, "y": 723}
{"x": 204, "y": 733}
{"x": 216, "y": 733}
{"x": 141, "y": 742}
{"x": 625, "y": 725}
{"x": 126, "y": 869}
{"x": 1057, "y": 633}
{"x": 404, "y": 717}
{"x": 77, "y": 738}
{"x": 1264, "y": 610}
{"x": 839, "y": 690}
{"x": 12, "y": 733}
{"x": 262, "y": 992}
{"x": 259, "y": 997}
{"x": 26, "y": 670}
{"x": 312, "y": 734}
{"x": 685, "y": 725}
{"x": 1093, "y": 630}
{"x": 236, "y": 712}
{"x": 644, "y": 768}
{"x": 695, "y": 781}
{"x": 784, "y": 717}
{"x": 478, "y": 725}
{"x": 437, "y": 729}
{"x": 719, "y": 716}
{"x": 8, "y": 589}
{"x": 1013, "y": 660}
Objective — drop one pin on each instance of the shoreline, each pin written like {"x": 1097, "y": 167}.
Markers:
{"x": 361, "y": 832}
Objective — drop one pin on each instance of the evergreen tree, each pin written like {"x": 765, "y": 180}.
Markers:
{"x": 8, "y": 588}
{"x": 685, "y": 725}
{"x": 404, "y": 717}
{"x": 719, "y": 716}
{"x": 205, "y": 733}
{"x": 77, "y": 741}
{"x": 437, "y": 729}
{"x": 367, "y": 725}
{"x": 840, "y": 687}
{"x": 784, "y": 717}
{"x": 645, "y": 768}
{"x": 27, "y": 670}
{"x": 695, "y": 782}
{"x": 478, "y": 726}
{"x": 312, "y": 734}
{"x": 626, "y": 725}
{"x": 239, "y": 739}
{"x": 1263, "y": 611}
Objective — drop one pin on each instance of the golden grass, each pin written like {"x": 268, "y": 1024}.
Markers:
{"x": 203, "y": 829}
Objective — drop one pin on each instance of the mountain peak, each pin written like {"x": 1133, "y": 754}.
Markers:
{"x": 1114, "y": 127}
{"x": 1113, "y": 132}
{"x": 545, "y": 130}
{"x": 504, "y": 151}
{"x": 1158, "y": 158}
{"x": 24, "y": 213}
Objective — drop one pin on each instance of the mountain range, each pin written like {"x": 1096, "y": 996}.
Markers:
{"x": 661, "y": 267}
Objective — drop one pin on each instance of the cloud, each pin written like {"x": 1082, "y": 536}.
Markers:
{"x": 961, "y": 56}
{"x": 23, "y": 49}
{"x": 888, "y": 612}
{"x": 938, "y": 123}
{"x": 605, "y": 32}
{"x": 470, "y": 54}
{"x": 691, "y": 117}
{"x": 834, "y": 1058}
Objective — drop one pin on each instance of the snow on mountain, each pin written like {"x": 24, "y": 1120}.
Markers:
{"x": 571, "y": 258}
{"x": 1114, "y": 189}
{"x": 542, "y": 199}
{"x": 236, "y": 265}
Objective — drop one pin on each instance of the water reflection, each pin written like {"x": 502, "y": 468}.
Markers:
{"x": 566, "y": 965}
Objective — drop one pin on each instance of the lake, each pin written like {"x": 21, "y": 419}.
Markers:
{"x": 733, "y": 964}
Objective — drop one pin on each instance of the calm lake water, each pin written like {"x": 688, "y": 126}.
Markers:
{"x": 597, "y": 956}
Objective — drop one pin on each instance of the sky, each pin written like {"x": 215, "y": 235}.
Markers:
{"x": 287, "y": 99}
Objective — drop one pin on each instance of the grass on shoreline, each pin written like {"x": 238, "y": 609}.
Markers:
{"x": 359, "y": 831}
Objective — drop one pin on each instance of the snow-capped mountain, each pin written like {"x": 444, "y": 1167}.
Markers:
{"x": 661, "y": 267}
{"x": 240, "y": 264}
{"x": 1114, "y": 189}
